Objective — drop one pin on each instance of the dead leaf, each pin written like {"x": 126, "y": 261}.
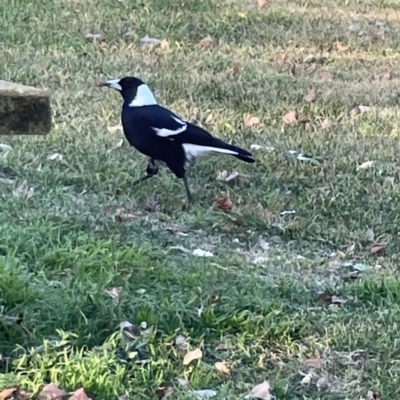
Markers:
{"x": 150, "y": 41}
{"x": 164, "y": 391}
{"x": 80, "y": 394}
{"x": 324, "y": 296}
{"x": 182, "y": 381}
{"x": 51, "y": 392}
{"x": 330, "y": 93}
{"x": 365, "y": 165}
{"x": 222, "y": 367}
{"x": 250, "y": 120}
{"x": 214, "y": 298}
{"x": 222, "y": 346}
{"x": 207, "y": 41}
{"x": 226, "y": 229}
{"x": 236, "y": 68}
{"x": 94, "y": 37}
{"x": 377, "y": 248}
{"x": 326, "y": 123}
{"x": 181, "y": 343}
{"x": 263, "y": 243}
{"x": 313, "y": 362}
{"x": 341, "y": 47}
{"x": 205, "y": 393}
{"x": 151, "y": 205}
{"x": 389, "y": 180}
{"x": 261, "y": 391}
{"x": 24, "y": 190}
{"x": 114, "y": 293}
{"x": 129, "y": 34}
{"x": 325, "y": 75}
{"x": 369, "y": 235}
{"x": 293, "y": 69}
{"x": 355, "y": 111}
{"x": 387, "y": 76}
{"x": 364, "y": 109}
{"x": 240, "y": 222}
{"x": 6, "y": 393}
{"x": 262, "y": 3}
{"x": 195, "y": 354}
{"x": 202, "y": 253}
{"x": 55, "y": 156}
{"x": 373, "y": 395}
{"x": 164, "y": 44}
{"x": 224, "y": 203}
{"x": 290, "y": 117}
{"x": 129, "y": 331}
{"x": 310, "y": 96}
{"x": 338, "y": 300}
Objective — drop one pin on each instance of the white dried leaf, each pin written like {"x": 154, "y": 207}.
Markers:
{"x": 202, "y": 253}
{"x": 55, "y": 156}
{"x": 195, "y": 354}
{"x": 260, "y": 391}
{"x": 93, "y": 37}
{"x": 4, "y": 146}
{"x": 148, "y": 40}
{"x": 365, "y": 165}
{"x": 263, "y": 243}
{"x": 364, "y": 109}
{"x": 205, "y": 394}
{"x": 24, "y": 189}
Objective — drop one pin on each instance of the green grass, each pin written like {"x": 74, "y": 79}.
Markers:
{"x": 61, "y": 247}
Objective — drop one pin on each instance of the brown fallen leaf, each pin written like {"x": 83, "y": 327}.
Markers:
{"x": 290, "y": 117}
{"x": 222, "y": 346}
{"x": 324, "y": 296}
{"x": 377, "y": 248}
{"x": 164, "y": 44}
{"x": 7, "y": 393}
{"x": 355, "y": 111}
{"x": 341, "y": 47}
{"x": 236, "y": 68}
{"x": 51, "y": 392}
{"x": 388, "y": 76}
{"x": 261, "y": 391}
{"x": 250, "y": 120}
{"x": 293, "y": 69}
{"x": 195, "y": 354}
{"x": 330, "y": 93}
{"x": 262, "y": 3}
{"x": 325, "y": 75}
{"x": 240, "y": 222}
{"x": 226, "y": 229}
{"x": 310, "y": 96}
{"x": 80, "y": 394}
{"x": 326, "y": 123}
{"x": 222, "y": 367}
{"x": 313, "y": 362}
{"x": 114, "y": 293}
{"x": 207, "y": 41}
{"x": 224, "y": 203}
{"x": 164, "y": 391}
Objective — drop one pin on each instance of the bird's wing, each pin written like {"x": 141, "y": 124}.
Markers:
{"x": 163, "y": 121}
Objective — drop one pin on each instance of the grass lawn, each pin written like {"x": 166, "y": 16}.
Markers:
{"x": 302, "y": 289}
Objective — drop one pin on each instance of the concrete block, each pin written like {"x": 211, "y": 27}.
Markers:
{"x": 24, "y": 110}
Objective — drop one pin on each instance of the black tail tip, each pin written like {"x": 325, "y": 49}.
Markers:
{"x": 246, "y": 158}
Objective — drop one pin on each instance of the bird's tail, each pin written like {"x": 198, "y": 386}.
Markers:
{"x": 235, "y": 151}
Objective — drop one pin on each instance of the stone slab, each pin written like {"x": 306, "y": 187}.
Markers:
{"x": 24, "y": 110}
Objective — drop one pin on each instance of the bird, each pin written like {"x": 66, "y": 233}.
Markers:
{"x": 162, "y": 135}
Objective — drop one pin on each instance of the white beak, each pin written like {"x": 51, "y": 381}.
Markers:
{"x": 114, "y": 83}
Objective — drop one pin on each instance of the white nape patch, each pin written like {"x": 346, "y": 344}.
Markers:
{"x": 114, "y": 83}
{"x": 194, "y": 150}
{"x": 144, "y": 97}
{"x": 167, "y": 132}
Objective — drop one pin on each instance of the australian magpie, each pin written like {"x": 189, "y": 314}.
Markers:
{"x": 162, "y": 135}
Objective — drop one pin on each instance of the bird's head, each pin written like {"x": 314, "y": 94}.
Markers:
{"x": 134, "y": 91}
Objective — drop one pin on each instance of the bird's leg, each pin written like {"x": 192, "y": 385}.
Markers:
{"x": 189, "y": 195}
{"x": 151, "y": 170}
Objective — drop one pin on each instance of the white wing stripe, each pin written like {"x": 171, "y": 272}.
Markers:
{"x": 163, "y": 132}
